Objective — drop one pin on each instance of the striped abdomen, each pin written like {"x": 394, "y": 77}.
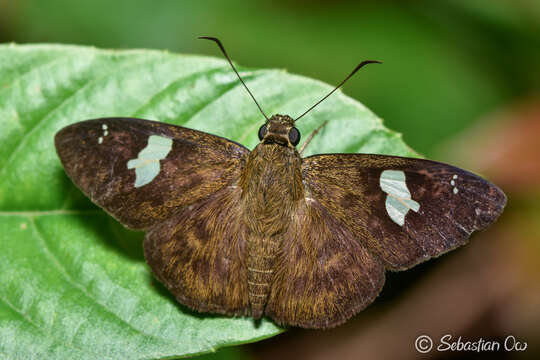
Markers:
{"x": 261, "y": 255}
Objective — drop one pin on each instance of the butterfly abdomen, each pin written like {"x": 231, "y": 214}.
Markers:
{"x": 271, "y": 183}
{"x": 261, "y": 257}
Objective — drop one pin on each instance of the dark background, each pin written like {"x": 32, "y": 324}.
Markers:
{"x": 460, "y": 80}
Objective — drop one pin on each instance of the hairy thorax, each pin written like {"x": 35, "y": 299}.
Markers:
{"x": 271, "y": 186}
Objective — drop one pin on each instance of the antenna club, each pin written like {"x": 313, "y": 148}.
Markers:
{"x": 358, "y": 67}
{"x": 222, "y": 48}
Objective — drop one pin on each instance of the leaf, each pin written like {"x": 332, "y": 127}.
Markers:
{"x": 74, "y": 283}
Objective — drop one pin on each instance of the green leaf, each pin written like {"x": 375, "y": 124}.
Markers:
{"x": 74, "y": 283}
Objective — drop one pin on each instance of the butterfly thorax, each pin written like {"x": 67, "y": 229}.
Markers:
{"x": 272, "y": 185}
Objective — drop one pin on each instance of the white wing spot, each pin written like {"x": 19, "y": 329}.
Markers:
{"x": 398, "y": 202}
{"x": 147, "y": 165}
{"x": 453, "y": 183}
{"x": 105, "y": 133}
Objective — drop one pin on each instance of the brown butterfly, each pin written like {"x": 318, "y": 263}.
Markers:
{"x": 304, "y": 241}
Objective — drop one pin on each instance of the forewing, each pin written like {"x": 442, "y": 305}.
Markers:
{"x": 323, "y": 275}
{"x": 404, "y": 210}
{"x": 199, "y": 254}
{"x": 141, "y": 171}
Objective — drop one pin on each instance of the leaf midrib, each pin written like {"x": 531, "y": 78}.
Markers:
{"x": 35, "y": 213}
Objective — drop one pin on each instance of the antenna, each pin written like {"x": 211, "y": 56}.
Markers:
{"x": 340, "y": 84}
{"x": 216, "y": 40}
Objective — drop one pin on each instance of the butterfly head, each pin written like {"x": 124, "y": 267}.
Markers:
{"x": 279, "y": 129}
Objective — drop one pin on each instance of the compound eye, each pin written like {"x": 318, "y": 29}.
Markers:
{"x": 294, "y": 136}
{"x": 262, "y": 132}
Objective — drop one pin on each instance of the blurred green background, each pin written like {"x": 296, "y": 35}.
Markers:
{"x": 460, "y": 80}
{"x": 446, "y": 63}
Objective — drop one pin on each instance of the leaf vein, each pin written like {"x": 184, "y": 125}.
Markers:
{"x": 18, "y": 78}
{"x": 34, "y": 324}
{"x": 221, "y": 95}
{"x": 81, "y": 288}
{"x": 21, "y": 314}
{"x": 174, "y": 83}
{"x": 67, "y": 100}
{"x": 50, "y": 213}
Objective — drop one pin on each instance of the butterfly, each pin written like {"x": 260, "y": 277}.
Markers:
{"x": 303, "y": 241}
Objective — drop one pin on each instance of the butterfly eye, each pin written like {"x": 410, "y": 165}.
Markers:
{"x": 262, "y": 132}
{"x": 294, "y": 136}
